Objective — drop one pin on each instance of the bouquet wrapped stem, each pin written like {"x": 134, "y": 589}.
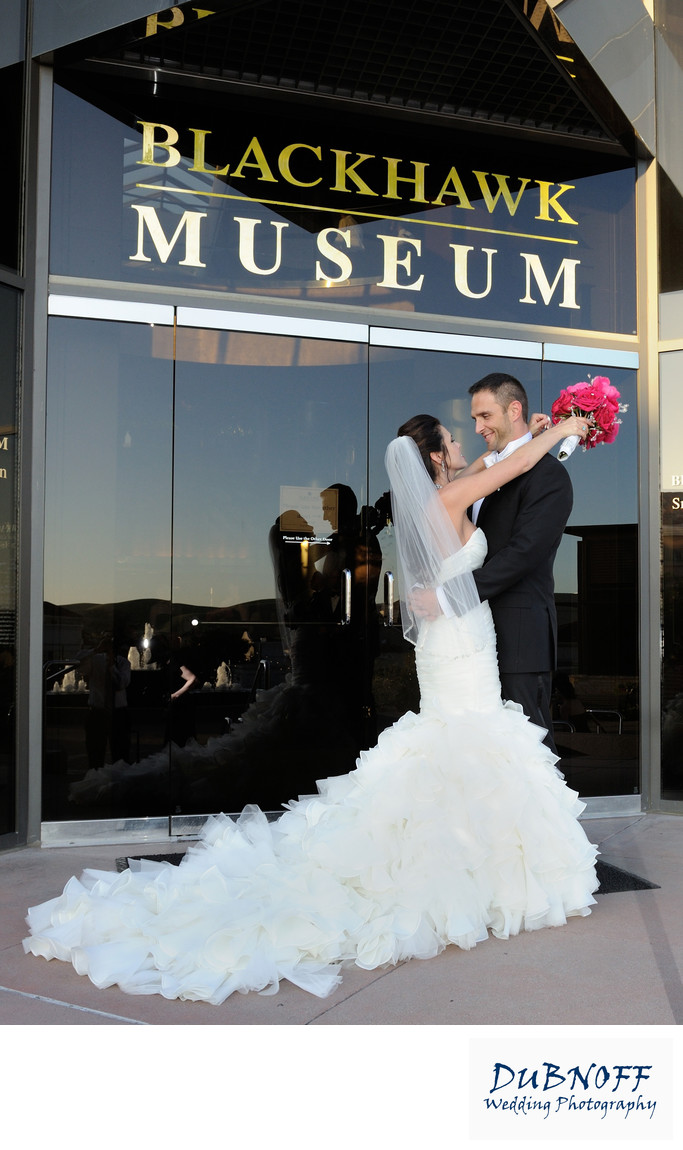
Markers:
{"x": 598, "y": 403}
{"x": 567, "y": 446}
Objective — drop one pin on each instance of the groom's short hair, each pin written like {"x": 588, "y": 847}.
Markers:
{"x": 505, "y": 389}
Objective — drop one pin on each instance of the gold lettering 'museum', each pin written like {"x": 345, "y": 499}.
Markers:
{"x": 373, "y": 179}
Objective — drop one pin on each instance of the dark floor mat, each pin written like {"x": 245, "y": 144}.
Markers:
{"x": 122, "y": 864}
{"x": 611, "y": 878}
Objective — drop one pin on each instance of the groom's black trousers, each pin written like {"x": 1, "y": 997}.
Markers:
{"x": 532, "y": 690}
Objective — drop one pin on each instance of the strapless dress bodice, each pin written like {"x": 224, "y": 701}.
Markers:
{"x": 456, "y": 659}
{"x": 470, "y": 556}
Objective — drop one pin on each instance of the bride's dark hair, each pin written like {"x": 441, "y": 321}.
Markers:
{"x": 425, "y": 430}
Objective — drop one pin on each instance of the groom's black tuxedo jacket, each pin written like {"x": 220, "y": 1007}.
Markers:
{"x": 523, "y": 522}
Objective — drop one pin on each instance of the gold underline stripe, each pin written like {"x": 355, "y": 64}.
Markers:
{"x": 369, "y": 215}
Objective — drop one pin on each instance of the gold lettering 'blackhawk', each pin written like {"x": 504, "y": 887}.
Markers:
{"x": 309, "y": 165}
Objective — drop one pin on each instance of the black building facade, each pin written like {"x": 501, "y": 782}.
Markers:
{"x": 242, "y": 245}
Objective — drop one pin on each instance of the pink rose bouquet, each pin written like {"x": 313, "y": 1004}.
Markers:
{"x": 599, "y": 403}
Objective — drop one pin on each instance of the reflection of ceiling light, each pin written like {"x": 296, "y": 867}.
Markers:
{"x": 145, "y": 643}
{"x": 195, "y": 622}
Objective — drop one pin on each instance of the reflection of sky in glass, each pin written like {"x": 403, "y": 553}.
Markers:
{"x": 243, "y": 432}
{"x": 108, "y": 499}
{"x": 248, "y": 435}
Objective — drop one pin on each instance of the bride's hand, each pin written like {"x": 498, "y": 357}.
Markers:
{"x": 424, "y": 603}
{"x": 538, "y": 423}
{"x": 574, "y": 425}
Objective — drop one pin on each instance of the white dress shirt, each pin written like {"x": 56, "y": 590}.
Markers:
{"x": 496, "y": 457}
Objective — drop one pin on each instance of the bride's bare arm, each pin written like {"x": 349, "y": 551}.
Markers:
{"x": 467, "y": 488}
{"x": 537, "y": 423}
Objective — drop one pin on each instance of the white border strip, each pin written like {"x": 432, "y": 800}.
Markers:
{"x": 611, "y": 806}
{"x": 442, "y": 341}
{"x": 598, "y": 356}
{"x": 128, "y": 311}
{"x": 87, "y": 307}
{"x": 101, "y": 832}
{"x": 272, "y": 324}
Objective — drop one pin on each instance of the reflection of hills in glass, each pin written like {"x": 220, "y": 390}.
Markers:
{"x": 69, "y": 627}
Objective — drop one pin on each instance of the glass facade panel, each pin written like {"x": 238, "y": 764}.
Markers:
{"x": 11, "y": 97}
{"x": 151, "y": 189}
{"x": 403, "y": 383}
{"x": 229, "y": 512}
{"x": 671, "y": 481}
{"x": 270, "y": 566}
{"x": 670, "y": 240}
{"x": 9, "y": 326}
{"x": 107, "y": 566}
{"x": 207, "y": 622}
{"x": 597, "y": 687}
{"x": 596, "y": 700}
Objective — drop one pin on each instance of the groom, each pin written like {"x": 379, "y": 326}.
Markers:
{"x": 523, "y": 522}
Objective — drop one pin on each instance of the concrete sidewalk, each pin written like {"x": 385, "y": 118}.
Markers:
{"x": 621, "y": 965}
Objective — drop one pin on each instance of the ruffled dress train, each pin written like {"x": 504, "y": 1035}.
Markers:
{"x": 455, "y": 825}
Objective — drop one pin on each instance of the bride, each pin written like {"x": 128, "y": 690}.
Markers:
{"x": 456, "y": 824}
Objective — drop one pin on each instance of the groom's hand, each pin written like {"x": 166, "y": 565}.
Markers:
{"x": 539, "y": 422}
{"x": 424, "y": 603}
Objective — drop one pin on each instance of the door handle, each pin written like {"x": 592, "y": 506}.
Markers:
{"x": 346, "y": 596}
{"x": 388, "y": 599}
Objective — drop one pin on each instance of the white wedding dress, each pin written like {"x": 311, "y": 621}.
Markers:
{"x": 456, "y": 824}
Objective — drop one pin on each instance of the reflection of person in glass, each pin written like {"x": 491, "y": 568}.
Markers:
{"x": 567, "y": 706}
{"x": 332, "y": 625}
{"x": 329, "y": 637}
{"x": 126, "y": 784}
{"x": 181, "y": 726}
{"x": 189, "y": 680}
{"x": 455, "y": 824}
{"x": 353, "y": 547}
{"x": 107, "y": 674}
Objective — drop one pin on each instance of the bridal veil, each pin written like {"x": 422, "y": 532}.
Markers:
{"x": 427, "y": 544}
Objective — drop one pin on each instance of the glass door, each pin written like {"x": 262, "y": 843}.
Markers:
{"x": 272, "y": 626}
{"x": 107, "y": 581}
{"x": 596, "y": 687}
{"x": 404, "y": 382}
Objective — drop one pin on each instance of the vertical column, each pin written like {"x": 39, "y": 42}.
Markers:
{"x": 649, "y": 503}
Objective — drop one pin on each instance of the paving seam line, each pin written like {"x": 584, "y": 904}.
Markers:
{"x": 71, "y": 1006}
